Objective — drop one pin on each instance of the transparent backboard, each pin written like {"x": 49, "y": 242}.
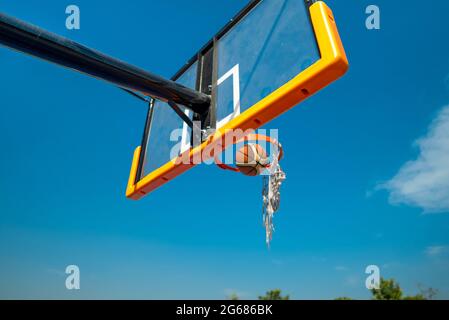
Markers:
{"x": 168, "y": 135}
{"x": 270, "y": 44}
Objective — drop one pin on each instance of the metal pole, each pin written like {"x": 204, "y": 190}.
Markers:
{"x": 40, "y": 43}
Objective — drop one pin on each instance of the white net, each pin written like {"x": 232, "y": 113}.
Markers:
{"x": 272, "y": 182}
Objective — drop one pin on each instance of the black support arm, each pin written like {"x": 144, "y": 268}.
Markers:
{"x": 37, "y": 42}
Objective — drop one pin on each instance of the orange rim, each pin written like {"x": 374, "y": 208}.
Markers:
{"x": 250, "y": 137}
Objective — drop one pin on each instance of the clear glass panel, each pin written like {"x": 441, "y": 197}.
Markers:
{"x": 169, "y": 135}
{"x": 269, "y": 47}
{"x": 272, "y": 44}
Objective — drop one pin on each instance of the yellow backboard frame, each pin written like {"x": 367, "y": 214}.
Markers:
{"x": 332, "y": 65}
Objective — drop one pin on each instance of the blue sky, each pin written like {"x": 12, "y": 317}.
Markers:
{"x": 361, "y": 158}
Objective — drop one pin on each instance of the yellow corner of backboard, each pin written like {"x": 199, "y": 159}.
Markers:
{"x": 131, "y": 188}
{"x": 328, "y": 38}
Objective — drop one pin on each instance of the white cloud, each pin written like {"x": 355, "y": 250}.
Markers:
{"x": 435, "y": 251}
{"x": 424, "y": 182}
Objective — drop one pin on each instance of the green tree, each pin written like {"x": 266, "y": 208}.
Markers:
{"x": 417, "y": 297}
{"x": 424, "y": 294}
{"x": 233, "y": 296}
{"x": 391, "y": 290}
{"x": 388, "y": 290}
{"x": 274, "y": 295}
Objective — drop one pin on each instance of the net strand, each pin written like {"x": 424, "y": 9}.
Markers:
{"x": 272, "y": 182}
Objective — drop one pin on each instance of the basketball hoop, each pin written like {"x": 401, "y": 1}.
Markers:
{"x": 252, "y": 137}
{"x": 273, "y": 176}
